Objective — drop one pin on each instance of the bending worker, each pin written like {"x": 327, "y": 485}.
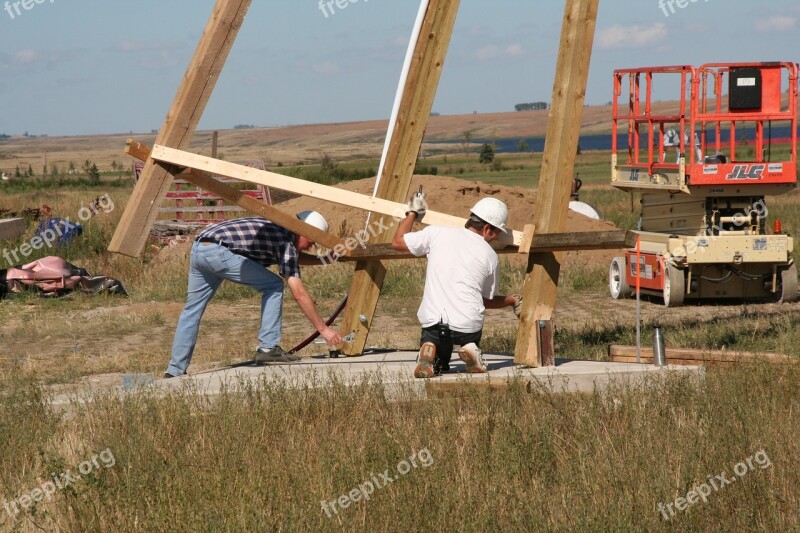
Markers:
{"x": 461, "y": 281}
{"x": 238, "y": 250}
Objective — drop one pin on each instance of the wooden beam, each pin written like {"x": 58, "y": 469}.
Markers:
{"x": 549, "y": 242}
{"x": 179, "y": 125}
{"x": 404, "y": 145}
{"x": 327, "y": 193}
{"x": 235, "y": 196}
{"x": 555, "y": 182}
{"x": 698, "y": 356}
{"x": 11, "y": 228}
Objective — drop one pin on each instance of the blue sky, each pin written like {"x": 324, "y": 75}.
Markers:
{"x": 72, "y": 67}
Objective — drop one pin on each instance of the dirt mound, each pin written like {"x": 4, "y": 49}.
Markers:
{"x": 456, "y": 196}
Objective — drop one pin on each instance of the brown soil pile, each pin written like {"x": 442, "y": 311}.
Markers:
{"x": 456, "y": 197}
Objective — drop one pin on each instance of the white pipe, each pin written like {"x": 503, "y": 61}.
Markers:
{"x": 412, "y": 44}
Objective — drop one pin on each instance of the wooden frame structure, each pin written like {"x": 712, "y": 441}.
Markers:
{"x": 167, "y": 160}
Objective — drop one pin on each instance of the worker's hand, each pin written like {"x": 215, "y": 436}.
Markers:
{"x": 331, "y": 336}
{"x": 517, "y": 305}
{"x": 418, "y": 205}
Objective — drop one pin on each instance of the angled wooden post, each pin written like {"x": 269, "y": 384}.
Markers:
{"x": 395, "y": 181}
{"x": 180, "y": 123}
{"x": 555, "y": 182}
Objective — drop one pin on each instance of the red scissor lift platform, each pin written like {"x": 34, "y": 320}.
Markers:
{"x": 704, "y": 174}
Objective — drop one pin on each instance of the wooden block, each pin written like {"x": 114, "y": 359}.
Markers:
{"x": 545, "y": 336}
{"x": 527, "y": 239}
{"x": 11, "y": 228}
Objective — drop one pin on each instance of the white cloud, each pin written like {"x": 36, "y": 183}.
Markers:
{"x": 138, "y": 46}
{"x": 515, "y": 50}
{"x": 25, "y": 56}
{"x": 777, "y": 23}
{"x": 158, "y": 61}
{"x": 492, "y": 52}
{"x": 635, "y": 36}
{"x": 400, "y": 42}
{"x": 328, "y": 68}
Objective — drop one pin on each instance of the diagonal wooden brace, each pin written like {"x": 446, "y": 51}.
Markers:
{"x": 204, "y": 181}
{"x": 180, "y": 158}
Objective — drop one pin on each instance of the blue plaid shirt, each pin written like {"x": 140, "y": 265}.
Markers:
{"x": 258, "y": 239}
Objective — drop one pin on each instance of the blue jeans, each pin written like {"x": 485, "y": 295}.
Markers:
{"x": 209, "y": 264}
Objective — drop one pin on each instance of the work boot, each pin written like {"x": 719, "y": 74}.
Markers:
{"x": 425, "y": 359}
{"x": 275, "y": 355}
{"x": 473, "y": 358}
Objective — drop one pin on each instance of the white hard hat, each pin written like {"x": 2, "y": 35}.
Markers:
{"x": 313, "y": 218}
{"x": 493, "y": 211}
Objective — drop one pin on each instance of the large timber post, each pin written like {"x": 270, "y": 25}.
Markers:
{"x": 179, "y": 126}
{"x": 552, "y": 199}
{"x": 395, "y": 181}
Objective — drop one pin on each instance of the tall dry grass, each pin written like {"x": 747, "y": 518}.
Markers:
{"x": 264, "y": 456}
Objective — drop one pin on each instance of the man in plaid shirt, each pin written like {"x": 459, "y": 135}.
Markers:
{"x": 238, "y": 250}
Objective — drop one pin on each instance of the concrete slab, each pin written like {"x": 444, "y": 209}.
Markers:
{"x": 11, "y": 228}
{"x": 394, "y": 370}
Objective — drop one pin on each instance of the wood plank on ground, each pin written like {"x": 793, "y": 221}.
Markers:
{"x": 699, "y": 355}
{"x": 11, "y": 228}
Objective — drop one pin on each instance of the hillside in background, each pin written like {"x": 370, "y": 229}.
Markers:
{"x": 296, "y": 144}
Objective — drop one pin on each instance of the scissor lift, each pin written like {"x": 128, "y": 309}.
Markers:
{"x": 703, "y": 174}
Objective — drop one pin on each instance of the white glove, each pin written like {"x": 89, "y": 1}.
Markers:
{"x": 518, "y": 305}
{"x": 418, "y": 205}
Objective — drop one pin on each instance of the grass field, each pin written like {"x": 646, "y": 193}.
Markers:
{"x": 265, "y": 457}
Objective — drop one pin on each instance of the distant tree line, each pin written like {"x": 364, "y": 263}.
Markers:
{"x": 531, "y": 106}
{"x": 4, "y": 136}
{"x": 244, "y": 127}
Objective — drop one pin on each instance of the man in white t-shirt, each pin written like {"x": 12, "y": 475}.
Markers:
{"x": 461, "y": 282}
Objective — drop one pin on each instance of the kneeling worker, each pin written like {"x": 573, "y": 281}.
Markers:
{"x": 238, "y": 250}
{"x": 461, "y": 281}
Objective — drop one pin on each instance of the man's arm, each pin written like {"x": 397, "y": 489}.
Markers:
{"x": 398, "y": 242}
{"x": 307, "y": 306}
{"x": 499, "y": 301}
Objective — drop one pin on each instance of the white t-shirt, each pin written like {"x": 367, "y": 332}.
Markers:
{"x": 462, "y": 270}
